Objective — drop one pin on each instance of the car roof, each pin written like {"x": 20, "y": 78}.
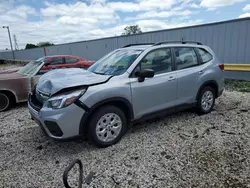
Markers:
{"x": 139, "y": 47}
{"x": 164, "y": 44}
{"x": 62, "y": 56}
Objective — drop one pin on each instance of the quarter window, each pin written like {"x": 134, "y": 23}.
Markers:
{"x": 70, "y": 60}
{"x": 159, "y": 60}
{"x": 205, "y": 56}
{"x": 185, "y": 58}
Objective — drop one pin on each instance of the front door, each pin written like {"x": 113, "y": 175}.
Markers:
{"x": 159, "y": 92}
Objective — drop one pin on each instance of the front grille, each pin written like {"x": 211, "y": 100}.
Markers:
{"x": 34, "y": 103}
{"x": 41, "y": 96}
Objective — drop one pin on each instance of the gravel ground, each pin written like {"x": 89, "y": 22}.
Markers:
{"x": 180, "y": 150}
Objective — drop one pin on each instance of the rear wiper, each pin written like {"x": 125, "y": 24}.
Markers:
{"x": 99, "y": 73}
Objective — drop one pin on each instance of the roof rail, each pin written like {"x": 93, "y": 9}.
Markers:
{"x": 182, "y": 42}
{"x": 138, "y": 44}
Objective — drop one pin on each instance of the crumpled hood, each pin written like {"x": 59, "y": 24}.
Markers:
{"x": 56, "y": 80}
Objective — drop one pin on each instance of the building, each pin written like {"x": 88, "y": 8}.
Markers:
{"x": 229, "y": 39}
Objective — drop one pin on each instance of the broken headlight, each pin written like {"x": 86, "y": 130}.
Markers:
{"x": 64, "y": 100}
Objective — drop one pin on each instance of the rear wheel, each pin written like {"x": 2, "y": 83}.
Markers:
{"x": 206, "y": 100}
{"x": 5, "y": 101}
{"x": 107, "y": 126}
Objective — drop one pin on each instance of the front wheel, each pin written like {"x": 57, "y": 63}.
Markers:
{"x": 107, "y": 126}
{"x": 5, "y": 102}
{"x": 206, "y": 100}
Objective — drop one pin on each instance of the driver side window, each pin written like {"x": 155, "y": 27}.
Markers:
{"x": 159, "y": 60}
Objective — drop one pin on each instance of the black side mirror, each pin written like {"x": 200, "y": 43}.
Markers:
{"x": 146, "y": 73}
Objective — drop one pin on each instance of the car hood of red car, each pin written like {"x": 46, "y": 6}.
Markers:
{"x": 59, "y": 79}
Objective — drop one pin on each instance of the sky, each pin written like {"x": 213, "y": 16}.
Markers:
{"x": 63, "y": 21}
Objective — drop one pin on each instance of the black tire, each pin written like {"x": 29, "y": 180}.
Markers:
{"x": 96, "y": 116}
{"x": 6, "y": 101}
{"x": 200, "y": 110}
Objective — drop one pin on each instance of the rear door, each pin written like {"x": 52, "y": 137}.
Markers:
{"x": 189, "y": 72}
{"x": 157, "y": 93}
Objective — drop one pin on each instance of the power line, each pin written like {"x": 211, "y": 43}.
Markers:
{"x": 16, "y": 46}
{"x": 59, "y": 17}
{"x": 66, "y": 13}
{"x": 69, "y": 11}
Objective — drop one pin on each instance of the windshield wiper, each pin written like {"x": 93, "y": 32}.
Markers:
{"x": 99, "y": 73}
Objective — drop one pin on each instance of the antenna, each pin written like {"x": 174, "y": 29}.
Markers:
{"x": 15, "y": 42}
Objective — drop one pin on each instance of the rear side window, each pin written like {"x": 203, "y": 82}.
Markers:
{"x": 70, "y": 60}
{"x": 56, "y": 61}
{"x": 205, "y": 56}
{"x": 185, "y": 58}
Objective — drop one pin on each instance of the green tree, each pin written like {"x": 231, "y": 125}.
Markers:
{"x": 131, "y": 30}
{"x": 43, "y": 44}
{"x": 29, "y": 46}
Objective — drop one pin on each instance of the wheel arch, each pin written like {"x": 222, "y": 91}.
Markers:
{"x": 211, "y": 83}
{"x": 11, "y": 93}
{"x": 119, "y": 102}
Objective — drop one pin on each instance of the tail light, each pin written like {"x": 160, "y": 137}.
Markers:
{"x": 221, "y": 66}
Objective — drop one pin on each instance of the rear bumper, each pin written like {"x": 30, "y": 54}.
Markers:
{"x": 220, "y": 93}
{"x": 59, "y": 124}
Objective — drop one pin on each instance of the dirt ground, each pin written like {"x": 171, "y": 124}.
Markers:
{"x": 180, "y": 150}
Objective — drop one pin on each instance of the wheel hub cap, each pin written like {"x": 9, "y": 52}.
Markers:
{"x": 207, "y": 100}
{"x": 108, "y": 127}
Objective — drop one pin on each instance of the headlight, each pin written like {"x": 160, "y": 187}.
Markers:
{"x": 64, "y": 100}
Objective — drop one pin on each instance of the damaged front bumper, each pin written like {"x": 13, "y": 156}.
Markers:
{"x": 58, "y": 124}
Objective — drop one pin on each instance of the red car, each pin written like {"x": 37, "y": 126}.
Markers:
{"x": 58, "y": 62}
{"x": 16, "y": 83}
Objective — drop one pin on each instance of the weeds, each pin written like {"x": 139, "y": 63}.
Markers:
{"x": 237, "y": 85}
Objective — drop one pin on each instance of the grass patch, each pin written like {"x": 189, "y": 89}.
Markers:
{"x": 237, "y": 85}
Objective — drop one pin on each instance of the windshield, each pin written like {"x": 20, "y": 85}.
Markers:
{"x": 115, "y": 63}
{"x": 32, "y": 66}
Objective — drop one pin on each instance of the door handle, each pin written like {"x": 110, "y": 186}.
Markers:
{"x": 201, "y": 72}
{"x": 171, "y": 78}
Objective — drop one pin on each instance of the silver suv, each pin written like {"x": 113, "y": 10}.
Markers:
{"x": 132, "y": 83}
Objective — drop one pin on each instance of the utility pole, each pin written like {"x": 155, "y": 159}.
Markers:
{"x": 15, "y": 42}
{"x": 10, "y": 41}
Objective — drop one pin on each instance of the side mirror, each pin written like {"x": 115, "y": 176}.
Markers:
{"x": 146, "y": 73}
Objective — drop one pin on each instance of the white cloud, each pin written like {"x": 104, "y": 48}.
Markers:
{"x": 151, "y": 25}
{"x": 246, "y": 8}
{"x": 90, "y": 19}
{"x": 163, "y": 14}
{"x": 159, "y": 4}
{"x": 142, "y": 5}
{"x": 193, "y": 5}
{"x": 244, "y": 15}
{"x": 124, "y": 6}
{"x": 213, "y": 4}
{"x": 97, "y": 1}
